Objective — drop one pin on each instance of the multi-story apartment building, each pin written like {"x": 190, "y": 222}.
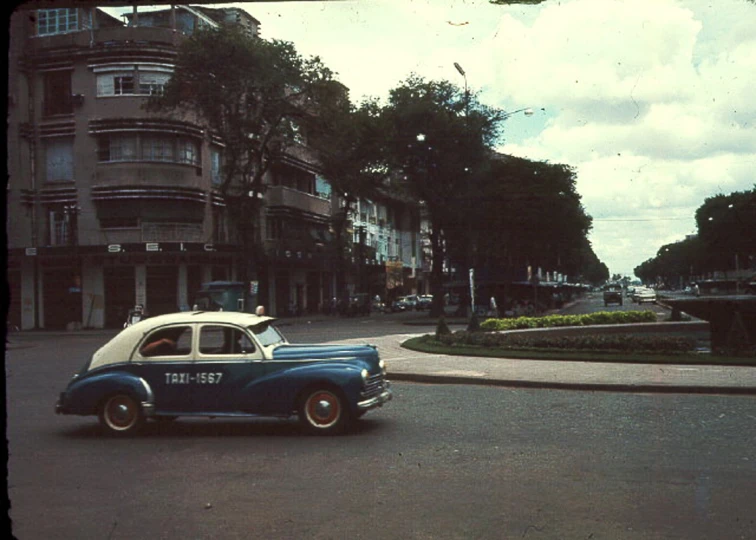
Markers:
{"x": 389, "y": 230}
{"x": 111, "y": 206}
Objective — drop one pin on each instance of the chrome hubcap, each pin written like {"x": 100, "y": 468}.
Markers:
{"x": 323, "y": 409}
{"x": 121, "y": 413}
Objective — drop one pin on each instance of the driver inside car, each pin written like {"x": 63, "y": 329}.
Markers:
{"x": 162, "y": 343}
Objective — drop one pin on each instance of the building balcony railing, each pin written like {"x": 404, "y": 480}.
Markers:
{"x": 284, "y": 196}
{"x": 127, "y": 36}
{"x": 155, "y": 232}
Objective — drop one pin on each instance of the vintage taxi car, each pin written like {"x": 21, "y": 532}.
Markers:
{"x": 220, "y": 364}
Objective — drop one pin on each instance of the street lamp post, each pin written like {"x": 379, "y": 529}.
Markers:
{"x": 527, "y": 111}
{"x": 71, "y": 213}
{"x": 471, "y": 269}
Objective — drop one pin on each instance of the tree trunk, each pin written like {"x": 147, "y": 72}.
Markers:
{"x": 251, "y": 265}
{"x": 437, "y": 276}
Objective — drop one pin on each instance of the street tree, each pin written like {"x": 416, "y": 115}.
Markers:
{"x": 727, "y": 229}
{"x": 437, "y": 136}
{"x": 674, "y": 263}
{"x": 592, "y": 270}
{"x": 536, "y": 214}
{"x": 349, "y": 139}
{"x": 253, "y": 95}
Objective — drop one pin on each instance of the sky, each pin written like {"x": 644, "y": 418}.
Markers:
{"x": 651, "y": 101}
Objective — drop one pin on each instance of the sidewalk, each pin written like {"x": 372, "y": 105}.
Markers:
{"x": 406, "y": 365}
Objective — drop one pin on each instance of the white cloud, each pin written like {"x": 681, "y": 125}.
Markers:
{"x": 650, "y": 100}
{"x": 654, "y": 113}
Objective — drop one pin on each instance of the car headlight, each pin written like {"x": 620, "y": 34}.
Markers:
{"x": 382, "y": 365}
{"x": 365, "y": 375}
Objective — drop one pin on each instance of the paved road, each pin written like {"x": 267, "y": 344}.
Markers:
{"x": 595, "y": 302}
{"x": 443, "y": 461}
{"x": 447, "y": 461}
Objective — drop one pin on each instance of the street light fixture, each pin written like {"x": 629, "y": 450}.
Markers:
{"x": 527, "y": 111}
{"x": 467, "y": 93}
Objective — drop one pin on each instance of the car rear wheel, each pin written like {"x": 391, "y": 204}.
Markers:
{"x": 323, "y": 411}
{"x": 121, "y": 414}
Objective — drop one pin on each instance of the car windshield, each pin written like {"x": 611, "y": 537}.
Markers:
{"x": 267, "y": 334}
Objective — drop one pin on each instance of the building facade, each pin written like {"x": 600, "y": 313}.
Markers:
{"x": 110, "y": 206}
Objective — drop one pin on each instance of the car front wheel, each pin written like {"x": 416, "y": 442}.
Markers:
{"x": 323, "y": 411}
{"x": 121, "y": 414}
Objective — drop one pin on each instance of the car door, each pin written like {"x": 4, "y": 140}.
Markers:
{"x": 164, "y": 359}
{"x": 227, "y": 361}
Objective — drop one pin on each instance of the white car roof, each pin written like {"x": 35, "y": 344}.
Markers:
{"x": 121, "y": 347}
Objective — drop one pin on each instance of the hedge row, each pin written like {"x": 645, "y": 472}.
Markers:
{"x": 551, "y": 321}
{"x": 600, "y": 342}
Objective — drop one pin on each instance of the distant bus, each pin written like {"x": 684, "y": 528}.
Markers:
{"x": 225, "y": 296}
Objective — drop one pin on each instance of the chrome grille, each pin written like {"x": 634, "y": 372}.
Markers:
{"x": 374, "y": 386}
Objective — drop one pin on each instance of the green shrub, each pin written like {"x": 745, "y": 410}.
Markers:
{"x": 552, "y": 321}
{"x": 589, "y": 342}
{"x": 442, "y": 329}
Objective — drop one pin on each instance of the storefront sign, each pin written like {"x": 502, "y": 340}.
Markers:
{"x": 144, "y": 247}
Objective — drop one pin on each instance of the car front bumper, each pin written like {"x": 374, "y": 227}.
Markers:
{"x": 377, "y": 401}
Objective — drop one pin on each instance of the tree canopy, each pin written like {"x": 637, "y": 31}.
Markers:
{"x": 438, "y": 136}
{"x": 726, "y": 240}
{"x": 431, "y": 141}
{"x": 537, "y": 215}
{"x": 254, "y": 95}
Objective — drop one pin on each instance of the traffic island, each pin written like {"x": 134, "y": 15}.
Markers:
{"x": 732, "y": 321}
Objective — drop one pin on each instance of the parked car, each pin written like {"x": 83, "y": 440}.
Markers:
{"x": 612, "y": 294}
{"x": 404, "y": 303}
{"x": 359, "y": 304}
{"x": 223, "y": 364}
{"x": 644, "y": 294}
{"x": 424, "y": 301}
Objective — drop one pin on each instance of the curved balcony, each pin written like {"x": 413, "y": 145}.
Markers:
{"x": 118, "y": 38}
{"x": 116, "y": 174}
{"x": 310, "y": 205}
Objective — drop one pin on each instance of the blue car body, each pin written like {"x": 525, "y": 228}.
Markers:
{"x": 263, "y": 376}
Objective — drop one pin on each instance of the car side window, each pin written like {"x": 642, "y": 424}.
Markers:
{"x": 217, "y": 340}
{"x": 173, "y": 341}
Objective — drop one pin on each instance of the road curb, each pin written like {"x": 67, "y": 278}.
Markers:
{"x": 596, "y": 387}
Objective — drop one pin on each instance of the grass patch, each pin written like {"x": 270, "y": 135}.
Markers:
{"x": 429, "y": 344}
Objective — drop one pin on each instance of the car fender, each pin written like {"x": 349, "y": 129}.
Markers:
{"x": 83, "y": 396}
{"x": 279, "y": 391}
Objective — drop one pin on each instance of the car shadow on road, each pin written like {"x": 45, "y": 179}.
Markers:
{"x": 190, "y": 427}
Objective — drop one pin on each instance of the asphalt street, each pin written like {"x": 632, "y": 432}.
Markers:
{"x": 439, "y": 461}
